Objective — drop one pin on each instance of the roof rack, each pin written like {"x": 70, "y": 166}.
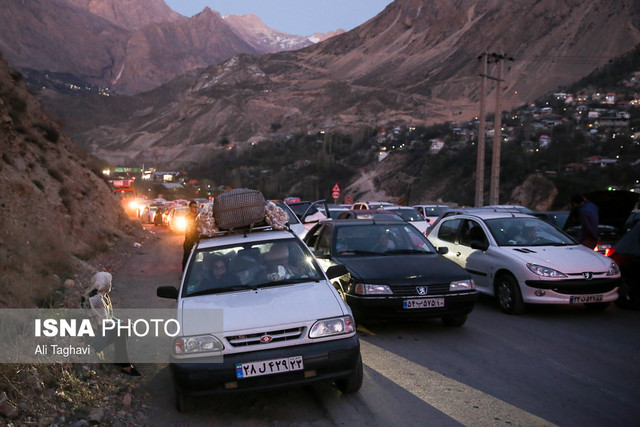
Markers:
{"x": 242, "y": 230}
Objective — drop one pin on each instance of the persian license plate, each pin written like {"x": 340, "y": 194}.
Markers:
{"x": 268, "y": 367}
{"x": 581, "y": 299}
{"x": 423, "y": 303}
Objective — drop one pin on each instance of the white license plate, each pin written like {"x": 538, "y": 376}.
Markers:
{"x": 423, "y": 303}
{"x": 268, "y": 367}
{"x": 581, "y": 299}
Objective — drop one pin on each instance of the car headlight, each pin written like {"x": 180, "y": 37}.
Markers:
{"x": 462, "y": 285}
{"x": 369, "y": 289}
{"x": 197, "y": 344}
{"x": 334, "y": 326}
{"x": 545, "y": 271}
{"x": 614, "y": 270}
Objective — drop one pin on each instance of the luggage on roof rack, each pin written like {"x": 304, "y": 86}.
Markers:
{"x": 240, "y": 207}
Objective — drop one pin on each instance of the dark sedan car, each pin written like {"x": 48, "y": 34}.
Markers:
{"x": 626, "y": 253}
{"x": 394, "y": 272}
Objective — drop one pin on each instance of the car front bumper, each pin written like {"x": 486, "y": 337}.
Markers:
{"x": 323, "y": 361}
{"x": 392, "y": 307}
{"x": 570, "y": 291}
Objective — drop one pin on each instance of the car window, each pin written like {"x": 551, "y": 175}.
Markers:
{"x": 250, "y": 265}
{"x": 408, "y": 214}
{"x": 376, "y": 239}
{"x": 324, "y": 242}
{"x": 472, "y": 231}
{"x": 448, "y": 230}
{"x": 293, "y": 219}
{"x": 526, "y": 232}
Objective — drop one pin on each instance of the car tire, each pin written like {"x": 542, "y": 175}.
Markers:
{"x": 507, "y": 291}
{"x": 597, "y": 306}
{"x": 454, "y": 321}
{"x": 628, "y": 297}
{"x": 184, "y": 403}
{"x": 354, "y": 382}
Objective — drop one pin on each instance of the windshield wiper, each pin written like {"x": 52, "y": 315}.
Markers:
{"x": 358, "y": 252}
{"x": 406, "y": 251}
{"x": 222, "y": 290}
{"x": 287, "y": 282}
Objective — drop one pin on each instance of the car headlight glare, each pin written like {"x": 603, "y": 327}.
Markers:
{"x": 370, "y": 289}
{"x": 545, "y": 271}
{"x": 334, "y": 326}
{"x": 462, "y": 285}
{"x": 614, "y": 270}
{"x": 197, "y": 344}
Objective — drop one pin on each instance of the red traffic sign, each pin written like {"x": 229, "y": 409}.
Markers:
{"x": 335, "y": 194}
{"x": 336, "y": 188}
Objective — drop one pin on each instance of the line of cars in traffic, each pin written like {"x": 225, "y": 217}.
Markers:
{"x": 511, "y": 253}
{"x": 262, "y": 308}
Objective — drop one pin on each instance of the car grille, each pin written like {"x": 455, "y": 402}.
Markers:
{"x": 576, "y": 286}
{"x": 255, "y": 339}
{"x": 411, "y": 290}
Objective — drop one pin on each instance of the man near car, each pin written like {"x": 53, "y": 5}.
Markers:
{"x": 589, "y": 219}
{"x": 190, "y": 232}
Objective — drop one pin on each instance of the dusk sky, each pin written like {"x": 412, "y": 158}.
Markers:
{"x": 300, "y": 17}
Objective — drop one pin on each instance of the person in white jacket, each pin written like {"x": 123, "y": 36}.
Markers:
{"x": 97, "y": 297}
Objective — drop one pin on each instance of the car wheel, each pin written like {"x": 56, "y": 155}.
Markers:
{"x": 454, "y": 320}
{"x": 628, "y": 297}
{"x": 597, "y": 306}
{"x": 508, "y": 294}
{"x": 354, "y": 382}
{"x": 184, "y": 403}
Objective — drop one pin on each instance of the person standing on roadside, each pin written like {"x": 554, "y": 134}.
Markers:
{"x": 190, "y": 232}
{"x": 589, "y": 219}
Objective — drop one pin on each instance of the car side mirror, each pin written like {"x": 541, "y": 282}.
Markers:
{"x": 170, "y": 292}
{"x": 336, "y": 271}
{"x": 443, "y": 250}
{"x": 476, "y": 244}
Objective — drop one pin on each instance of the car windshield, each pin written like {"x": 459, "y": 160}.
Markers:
{"x": 377, "y": 239}
{"x": 408, "y": 214}
{"x": 249, "y": 266}
{"x": 522, "y": 231}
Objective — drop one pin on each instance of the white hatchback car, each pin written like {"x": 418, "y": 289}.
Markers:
{"x": 257, "y": 312}
{"x": 521, "y": 259}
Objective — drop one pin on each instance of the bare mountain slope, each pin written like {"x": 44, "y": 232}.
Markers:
{"x": 416, "y": 62}
{"x": 55, "y": 212}
{"x": 126, "y": 46}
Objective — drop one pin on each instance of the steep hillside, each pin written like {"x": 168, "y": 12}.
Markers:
{"x": 415, "y": 63}
{"x": 55, "y": 212}
{"x": 264, "y": 39}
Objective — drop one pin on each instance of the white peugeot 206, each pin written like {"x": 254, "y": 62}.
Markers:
{"x": 521, "y": 260}
{"x": 256, "y": 312}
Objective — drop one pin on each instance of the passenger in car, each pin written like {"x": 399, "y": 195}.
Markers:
{"x": 220, "y": 275}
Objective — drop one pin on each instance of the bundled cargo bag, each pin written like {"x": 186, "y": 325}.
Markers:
{"x": 240, "y": 207}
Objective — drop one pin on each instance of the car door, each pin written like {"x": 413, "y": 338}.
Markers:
{"x": 319, "y": 239}
{"x": 458, "y": 233}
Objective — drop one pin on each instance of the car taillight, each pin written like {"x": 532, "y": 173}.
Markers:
{"x": 609, "y": 251}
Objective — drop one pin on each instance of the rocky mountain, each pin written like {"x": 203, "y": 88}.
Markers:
{"x": 415, "y": 63}
{"x": 56, "y": 212}
{"x": 264, "y": 39}
{"x": 123, "y": 46}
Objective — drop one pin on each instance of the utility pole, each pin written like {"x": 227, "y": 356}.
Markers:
{"x": 494, "y": 189}
{"x": 479, "y": 201}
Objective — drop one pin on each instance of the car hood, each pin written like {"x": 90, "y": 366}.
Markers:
{"x": 262, "y": 308}
{"x": 400, "y": 269}
{"x": 567, "y": 259}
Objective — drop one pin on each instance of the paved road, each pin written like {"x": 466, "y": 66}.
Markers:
{"x": 552, "y": 365}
